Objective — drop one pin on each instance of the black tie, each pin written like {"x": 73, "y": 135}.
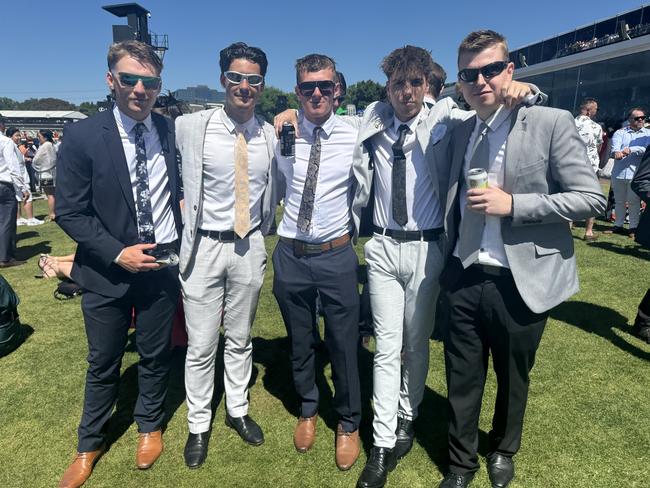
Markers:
{"x": 309, "y": 191}
{"x": 146, "y": 233}
{"x": 399, "y": 178}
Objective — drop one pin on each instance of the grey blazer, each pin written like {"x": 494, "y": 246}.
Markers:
{"x": 547, "y": 171}
{"x": 435, "y": 130}
{"x": 190, "y": 136}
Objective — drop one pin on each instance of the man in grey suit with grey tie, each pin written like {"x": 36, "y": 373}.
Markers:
{"x": 228, "y": 170}
{"x": 512, "y": 256}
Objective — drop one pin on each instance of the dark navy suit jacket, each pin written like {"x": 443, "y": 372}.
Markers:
{"x": 94, "y": 199}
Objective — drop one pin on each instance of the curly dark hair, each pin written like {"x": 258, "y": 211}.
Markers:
{"x": 241, "y": 50}
{"x": 408, "y": 61}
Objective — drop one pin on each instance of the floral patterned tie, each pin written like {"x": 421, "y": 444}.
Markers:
{"x": 309, "y": 190}
{"x": 146, "y": 233}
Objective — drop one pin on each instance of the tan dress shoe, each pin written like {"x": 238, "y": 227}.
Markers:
{"x": 150, "y": 447}
{"x": 348, "y": 447}
{"x": 81, "y": 468}
{"x": 305, "y": 433}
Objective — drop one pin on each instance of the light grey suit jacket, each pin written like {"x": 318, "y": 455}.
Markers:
{"x": 190, "y": 136}
{"x": 435, "y": 130}
{"x": 548, "y": 174}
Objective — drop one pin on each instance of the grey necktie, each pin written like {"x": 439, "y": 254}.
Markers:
{"x": 309, "y": 191}
{"x": 473, "y": 223}
{"x": 143, "y": 199}
{"x": 398, "y": 178}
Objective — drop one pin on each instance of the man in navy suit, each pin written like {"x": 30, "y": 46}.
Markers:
{"x": 118, "y": 197}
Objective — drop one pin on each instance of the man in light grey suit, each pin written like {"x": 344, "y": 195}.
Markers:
{"x": 228, "y": 174}
{"x": 512, "y": 250}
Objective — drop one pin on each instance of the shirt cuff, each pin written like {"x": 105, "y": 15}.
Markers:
{"x": 117, "y": 259}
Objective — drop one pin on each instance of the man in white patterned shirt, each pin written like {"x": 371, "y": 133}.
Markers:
{"x": 592, "y": 134}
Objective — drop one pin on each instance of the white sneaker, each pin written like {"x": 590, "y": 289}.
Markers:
{"x": 34, "y": 221}
{"x": 21, "y": 221}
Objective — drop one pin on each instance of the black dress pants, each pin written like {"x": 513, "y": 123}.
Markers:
{"x": 8, "y": 210}
{"x": 296, "y": 282}
{"x": 487, "y": 315}
{"x": 153, "y": 296}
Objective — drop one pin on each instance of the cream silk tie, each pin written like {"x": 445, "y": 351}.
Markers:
{"x": 242, "y": 210}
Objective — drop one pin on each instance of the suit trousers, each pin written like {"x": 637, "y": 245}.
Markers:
{"x": 403, "y": 283}
{"x": 153, "y": 296}
{"x": 487, "y": 316}
{"x": 222, "y": 287}
{"x": 8, "y": 210}
{"x": 296, "y": 281}
{"x": 623, "y": 194}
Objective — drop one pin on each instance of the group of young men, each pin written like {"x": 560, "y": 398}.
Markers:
{"x": 502, "y": 253}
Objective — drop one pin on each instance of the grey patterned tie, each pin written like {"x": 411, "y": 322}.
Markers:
{"x": 473, "y": 223}
{"x": 398, "y": 177}
{"x": 146, "y": 233}
{"x": 309, "y": 191}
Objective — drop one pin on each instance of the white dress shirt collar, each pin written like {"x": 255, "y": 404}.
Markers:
{"x": 496, "y": 119}
{"x": 249, "y": 127}
{"x": 411, "y": 123}
{"x": 127, "y": 123}
{"x": 309, "y": 126}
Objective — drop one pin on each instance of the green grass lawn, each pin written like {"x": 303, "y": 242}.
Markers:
{"x": 586, "y": 423}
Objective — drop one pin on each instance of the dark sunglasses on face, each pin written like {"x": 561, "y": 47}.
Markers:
{"x": 307, "y": 88}
{"x": 149, "y": 82}
{"x": 470, "y": 75}
{"x": 236, "y": 78}
{"x": 639, "y": 118}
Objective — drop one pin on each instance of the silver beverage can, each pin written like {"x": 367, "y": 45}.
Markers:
{"x": 477, "y": 178}
{"x": 287, "y": 140}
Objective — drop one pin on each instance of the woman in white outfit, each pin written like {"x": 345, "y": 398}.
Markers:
{"x": 44, "y": 165}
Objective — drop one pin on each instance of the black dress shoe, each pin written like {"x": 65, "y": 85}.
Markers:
{"x": 455, "y": 480}
{"x": 380, "y": 463}
{"x": 11, "y": 263}
{"x": 247, "y": 429}
{"x": 196, "y": 449}
{"x": 501, "y": 470}
{"x": 405, "y": 434}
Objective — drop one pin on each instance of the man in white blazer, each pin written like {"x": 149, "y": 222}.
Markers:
{"x": 228, "y": 170}
{"x": 511, "y": 256}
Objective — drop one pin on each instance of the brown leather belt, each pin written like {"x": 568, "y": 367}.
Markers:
{"x": 302, "y": 248}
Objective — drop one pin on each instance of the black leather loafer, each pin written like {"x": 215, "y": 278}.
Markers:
{"x": 247, "y": 429}
{"x": 501, "y": 470}
{"x": 380, "y": 463}
{"x": 455, "y": 480}
{"x": 405, "y": 435}
{"x": 196, "y": 449}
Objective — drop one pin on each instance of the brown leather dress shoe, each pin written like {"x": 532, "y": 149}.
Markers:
{"x": 81, "y": 468}
{"x": 150, "y": 447}
{"x": 305, "y": 433}
{"x": 348, "y": 447}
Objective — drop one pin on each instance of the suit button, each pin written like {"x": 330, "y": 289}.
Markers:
{"x": 195, "y": 207}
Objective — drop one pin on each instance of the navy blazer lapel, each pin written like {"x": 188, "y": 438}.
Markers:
{"x": 514, "y": 148}
{"x": 116, "y": 155}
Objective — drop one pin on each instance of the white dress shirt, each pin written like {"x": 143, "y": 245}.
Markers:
{"x": 492, "y": 250}
{"x": 331, "y": 215}
{"x": 10, "y": 171}
{"x": 163, "y": 217}
{"x": 422, "y": 206}
{"x": 219, "y": 171}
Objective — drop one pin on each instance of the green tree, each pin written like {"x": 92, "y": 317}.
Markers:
{"x": 46, "y": 104}
{"x": 88, "y": 108}
{"x": 7, "y": 103}
{"x": 363, "y": 93}
{"x": 271, "y": 102}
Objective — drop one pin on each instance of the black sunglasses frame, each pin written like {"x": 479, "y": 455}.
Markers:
{"x": 326, "y": 88}
{"x": 489, "y": 71}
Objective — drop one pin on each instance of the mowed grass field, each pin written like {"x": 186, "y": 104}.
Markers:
{"x": 587, "y": 423}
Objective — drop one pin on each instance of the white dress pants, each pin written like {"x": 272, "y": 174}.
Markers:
{"x": 222, "y": 287}
{"x": 403, "y": 284}
{"x": 623, "y": 193}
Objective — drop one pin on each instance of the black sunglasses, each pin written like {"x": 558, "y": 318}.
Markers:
{"x": 307, "y": 88}
{"x": 470, "y": 75}
{"x": 639, "y": 118}
{"x": 149, "y": 82}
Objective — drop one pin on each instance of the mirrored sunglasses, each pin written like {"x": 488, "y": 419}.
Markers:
{"x": 236, "y": 78}
{"x": 470, "y": 75}
{"x": 149, "y": 82}
{"x": 307, "y": 88}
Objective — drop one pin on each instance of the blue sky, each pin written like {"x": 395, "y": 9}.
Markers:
{"x": 58, "y": 49}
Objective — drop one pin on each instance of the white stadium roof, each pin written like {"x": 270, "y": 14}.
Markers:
{"x": 41, "y": 114}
